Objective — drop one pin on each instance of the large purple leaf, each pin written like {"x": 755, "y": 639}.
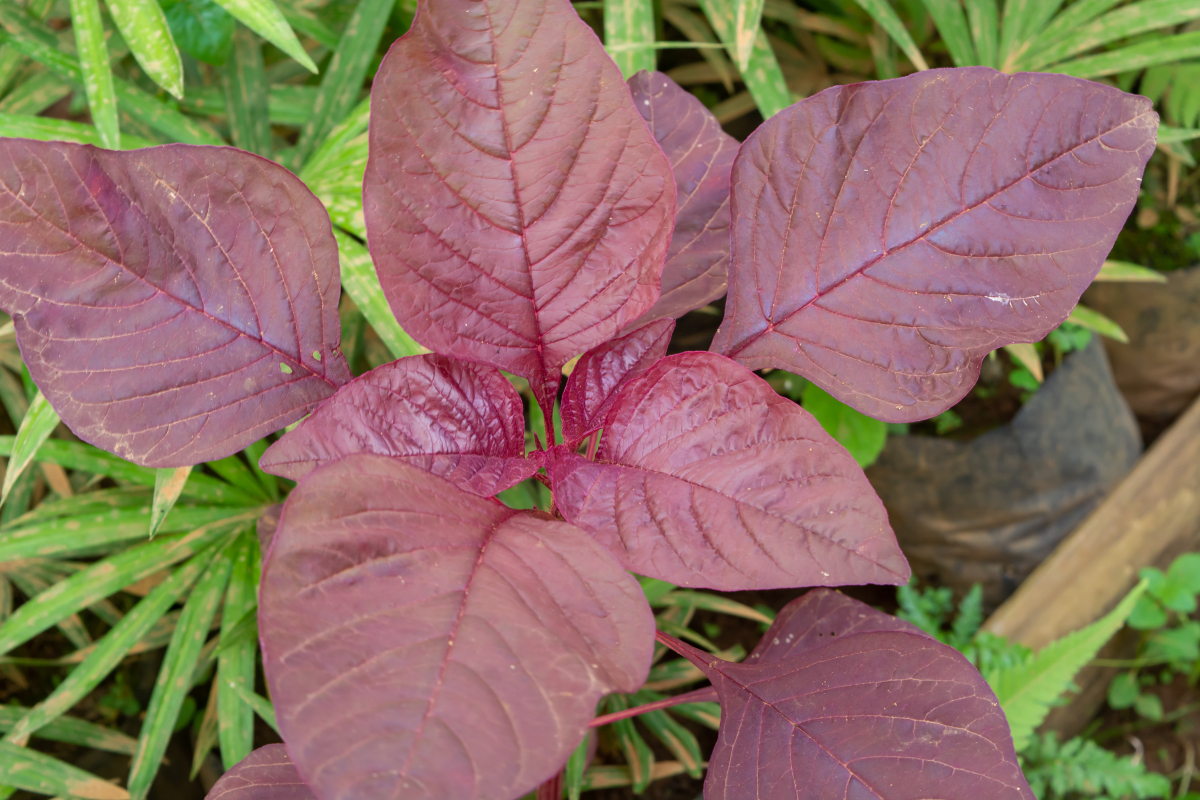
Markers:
{"x": 175, "y": 304}
{"x": 421, "y": 642}
{"x": 462, "y": 421}
{"x": 517, "y": 207}
{"x": 889, "y": 235}
{"x": 601, "y": 372}
{"x": 816, "y": 619}
{"x": 265, "y": 774}
{"x": 706, "y": 477}
{"x": 701, "y": 156}
{"x": 876, "y": 715}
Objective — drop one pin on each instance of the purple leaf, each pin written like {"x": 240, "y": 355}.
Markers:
{"x": 421, "y": 642}
{"x": 266, "y": 526}
{"x": 265, "y": 774}
{"x": 517, "y": 207}
{"x": 175, "y": 304}
{"x": 886, "y": 715}
{"x": 706, "y": 477}
{"x": 816, "y": 619}
{"x": 462, "y": 421}
{"x": 602, "y": 371}
{"x": 701, "y": 156}
{"x": 889, "y": 235}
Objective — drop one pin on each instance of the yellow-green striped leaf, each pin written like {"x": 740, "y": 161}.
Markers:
{"x": 1138, "y": 56}
{"x": 39, "y": 422}
{"x": 168, "y": 485}
{"x": 97, "y": 75}
{"x": 42, "y": 774}
{"x": 629, "y": 34}
{"x": 48, "y": 129}
{"x": 144, "y": 27}
{"x": 262, "y": 17}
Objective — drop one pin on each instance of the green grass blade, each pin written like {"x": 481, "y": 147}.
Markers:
{"x": 1023, "y": 19}
{"x": 1126, "y": 21}
{"x": 984, "y": 21}
{"x": 763, "y": 76}
{"x": 11, "y": 59}
{"x": 261, "y": 705}
{"x": 1094, "y": 321}
{"x": 344, "y": 77}
{"x": 144, "y": 28}
{"x": 234, "y": 470}
{"x": 36, "y": 93}
{"x": 110, "y": 650}
{"x": 694, "y": 27}
{"x": 101, "y": 501}
{"x": 173, "y": 678}
{"x": 710, "y": 602}
{"x": 628, "y": 24}
{"x": 311, "y": 27}
{"x": 747, "y": 21}
{"x": 887, "y": 18}
{"x": 71, "y": 626}
{"x": 1138, "y": 56}
{"x": 262, "y": 17}
{"x": 952, "y": 25}
{"x": 39, "y": 422}
{"x": 73, "y": 730}
{"x": 47, "y": 129}
{"x": 206, "y": 738}
{"x": 39, "y": 773}
{"x": 362, "y": 284}
{"x": 1026, "y": 691}
{"x": 638, "y": 754}
{"x": 679, "y": 740}
{"x": 168, "y": 484}
{"x": 1075, "y": 16}
{"x": 97, "y": 74}
{"x": 574, "y": 769}
{"x": 99, "y": 581}
{"x": 245, "y": 84}
{"x": 236, "y": 662}
{"x": 1130, "y": 273}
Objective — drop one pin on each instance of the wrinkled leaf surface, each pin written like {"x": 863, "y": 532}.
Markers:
{"x": 517, "y": 207}
{"x": 462, "y": 421}
{"x": 889, "y": 235}
{"x": 421, "y": 642}
{"x": 706, "y": 477}
{"x": 175, "y": 304}
{"x": 701, "y": 156}
{"x": 265, "y": 774}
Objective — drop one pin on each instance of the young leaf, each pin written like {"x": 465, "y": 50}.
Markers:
{"x": 73, "y": 730}
{"x": 824, "y": 722}
{"x": 145, "y": 30}
{"x": 1027, "y": 690}
{"x": 97, "y": 75}
{"x": 862, "y": 436}
{"x": 628, "y": 24}
{"x": 36, "y": 772}
{"x": 1093, "y": 320}
{"x": 36, "y": 426}
{"x": 887, "y": 285}
{"x": 262, "y": 17}
{"x": 697, "y": 444}
{"x": 168, "y": 484}
{"x": 231, "y": 266}
{"x": 470, "y": 642}
{"x": 701, "y": 154}
{"x": 549, "y": 248}
{"x": 601, "y": 372}
{"x": 461, "y": 421}
{"x": 265, "y": 774}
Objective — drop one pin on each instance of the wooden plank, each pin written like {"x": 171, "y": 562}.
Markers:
{"x": 1152, "y": 516}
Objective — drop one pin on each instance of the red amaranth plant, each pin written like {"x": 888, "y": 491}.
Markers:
{"x": 421, "y": 639}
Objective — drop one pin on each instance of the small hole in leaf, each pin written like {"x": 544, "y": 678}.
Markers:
{"x": 285, "y": 369}
{"x": 317, "y": 355}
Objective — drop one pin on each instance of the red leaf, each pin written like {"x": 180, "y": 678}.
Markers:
{"x": 602, "y": 371}
{"x": 462, "y": 421}
{"x": 701, "y": 156}
{"x": 421, "y": 642}
{"x": 870, "y": 713}
{"x": 265, "y": 774}
{"x": 517, "y": 207}
{"x": 175, "y": 304}
{"x": 706, "y": 477}
{"x": 889, "y": 235}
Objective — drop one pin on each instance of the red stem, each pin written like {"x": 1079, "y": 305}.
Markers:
{"x": 707, "y": 694}
{"x": 593, "y": 445}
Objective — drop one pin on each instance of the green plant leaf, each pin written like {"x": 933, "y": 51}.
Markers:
{"x": 39, "y": 422}
{"x": 1148, "y": 706}
{"x": 73, "y": 730}
{"x": 1138, "y": 56}
{"x": 638, "y": 754}
{"x": 573, "y": 771}
{"x": 984, "y": 21}
{"x": 762, "y": 75}
{"x": 97, "y": 75}
{"x": 696, "y": 30}
{"x": 46, "y": 129}
{"x": 344, "y": 76}
{"x": 168, "y": 484}
{"x": 109, "y": 651}
{"x": 206, "y": 738}
{"x": 233, "y": 469}
{"x": 236, "y": 659}
{"x": 708, "y": 602}
{"x": 1023, "y": 20}
{"x": 265, "y": 19}
{"x": 1074, "y": 17}
{"x": 1026, "y": 691}
{"x": 201, "y": 28}
{"x": 269, "y": 483}
{"x": 1124, "y": 22}
{"x": 1027, "y": 356}
{"x": 261, "y": 705}
{"x": 628, "y": 24}
{"x": 887, "y": 18}
{"x": 173, "y": 681}
{"x": 1131, "y": 273}
{"x": 1185, "y": 572}
{"x": 310, "y": 26}
{"x": 1180, "y": 644}
{"x": 362, "y": 284}
{"x": 970, "y": 617}
{"x": 677, "y": 739}
{"x": 144, "y": 27}
{"x": 1124, "y": 690}
{"x": 1147, "y": 614}
{"x": 952, "y": 25}
{"x": 1094, "y": 321}
{"x": 862, "y": 436}
{"x": 39, "y": 773}
{"x": 245, "y": 84}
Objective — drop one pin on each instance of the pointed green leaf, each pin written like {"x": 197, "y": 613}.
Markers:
{"x": 984, "y": 21}
{"x": 709, "y": 602}
{"x": 1126, "y": 21}
{"x": 762, "y": 75}
{"x": 886, "y": 16}
{"x": 362, "y": 284}
{"x": 638, "y": 754}
{"x": 236, "y": 660}
{"x": 39, "y": 422}
{"x": 168, "y": 485}
{"x": 206, "y": 738}
{"x": 679, "y": 740}
{"x": 952, "y": 25}
{"x": 1138, "y": 56}
{"x": 245, "y": 84}
{"x": 694, "y": 27}
{"x": 628, "y": 24}
{"x": 261, "y": 705}
{"x": 574, "y": 769}
{"x": 1128, "y": 272}
{"x": 144, "y": 27}
{"x": 48, "y": 129}
{"x": 1093, "y": 320}
{"x": 1167, "y": 133}
{"x": 97, "y": 75}
{"x": 1023, "y": 19}
{"x": 73, "y": 730}
{"x": 1075, "y": 16}
{"x": 37, "y": 772}
{"x": 262, "y": 17}
{"x": 747, "y": 19}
